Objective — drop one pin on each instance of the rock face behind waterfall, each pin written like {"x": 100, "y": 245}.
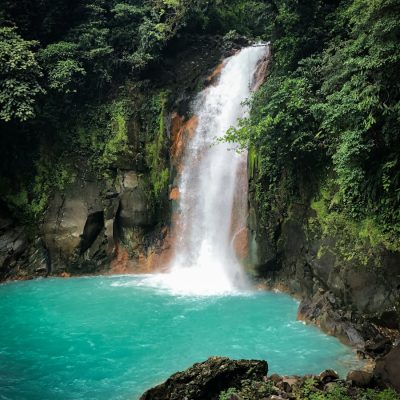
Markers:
{"x": 206, "y": 380}
{"x": 207, "y": 224}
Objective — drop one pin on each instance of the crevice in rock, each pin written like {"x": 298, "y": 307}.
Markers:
{"x": 93, "y": 226}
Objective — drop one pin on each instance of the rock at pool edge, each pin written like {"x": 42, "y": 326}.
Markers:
{"x": 206, "y": 380}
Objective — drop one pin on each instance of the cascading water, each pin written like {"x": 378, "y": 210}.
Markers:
{"x": 204, "y": 261}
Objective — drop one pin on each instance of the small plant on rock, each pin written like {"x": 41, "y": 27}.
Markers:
{"x": 387, "y": 394}
{"x": 310, "y": 391}
{"x": 229, "y": 394}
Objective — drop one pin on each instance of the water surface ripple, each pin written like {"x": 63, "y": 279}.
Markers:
{"x": 113, "y": 337}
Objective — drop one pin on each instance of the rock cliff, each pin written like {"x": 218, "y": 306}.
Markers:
{"x": 117, "y": 221}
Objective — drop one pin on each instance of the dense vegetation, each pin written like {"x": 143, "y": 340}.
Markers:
{"x": 69, "y": 85}
{"x": 326, "y": 123}
{"x": 72, "y": 77}
{"x": 324, "y": 128}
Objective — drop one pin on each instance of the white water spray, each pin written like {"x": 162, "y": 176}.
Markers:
{"x": 204, "y": 260}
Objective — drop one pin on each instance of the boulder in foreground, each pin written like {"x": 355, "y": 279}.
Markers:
{"x": 206, "y": 380}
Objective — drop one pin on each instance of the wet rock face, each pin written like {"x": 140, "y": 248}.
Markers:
{"x": 388, "y": 369}
{"x": 20, "y": 257}
{"x": 344, "y": 298}
{"x": 73, "y": 228}
{"x": 263, "y": 254}
{"x": 12, "y": 241}
{"x": 206, "y": 380}
{"x": 186, "y": 63}
{"x": 85, "y": 223}
{"x": 320, "y": 310}
{"x": 133, "y": 209}
{"x": 360, "y": 378}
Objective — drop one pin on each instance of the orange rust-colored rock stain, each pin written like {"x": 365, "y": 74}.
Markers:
{"x": 181, "y": 132}
{"x": 159, "y": 257}
{"x": 241, "y": 244}
{"x": 239, "y": 230}
{"x": 261, "y": 72}
{"x": 215, "y": 73}
{"x": 122, "y": 263}
{"x": 174, "y": 194}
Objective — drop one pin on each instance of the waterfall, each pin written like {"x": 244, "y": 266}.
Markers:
{"x": 204, "y": 260}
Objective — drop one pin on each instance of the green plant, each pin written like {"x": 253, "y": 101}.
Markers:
{"x": 103, "y": 134}
{"x": 386, "y": 394}
{"x": 309, "y": 391}
{"x": 117, "y": 144}
{"x": 156, "y": 149}
{"x": 253, "y": 161}
{"x": 252, "y": 388}
{"x": 361, "y": 240}
{"x": 229, "y": 394}
{"x": 19, "y": 76}
{"x": 329, "y": 108}
{"x": 30, "y": 200}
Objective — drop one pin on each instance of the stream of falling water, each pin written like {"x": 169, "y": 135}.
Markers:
{"x": 204, "y": 260}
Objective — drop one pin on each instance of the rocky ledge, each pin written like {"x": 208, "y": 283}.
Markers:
{"x": 346, "y": 293}
{"x": 220, "y": 378}
{"x": 207, "y": 380}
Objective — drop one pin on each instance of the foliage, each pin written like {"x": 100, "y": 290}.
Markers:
{"x": 19, "y": 76}
{"x": 98, "y": 40}
{"x": 64, "y": 70}
{"x": 155, "y": 149}
{"x": 85, "y": 56}
{"x": 103, "y": 135}
{"x": 252, "y": 158}
{"x": 229, "y": 394}
{"x": 247, "y": 391}
{"x": 357, "y": 240}
{"x": 309, "y": 391}
{"x": 251, "y": 18}
{"x": 30, "y": 201}
{"x": 249, "y": 387}
{"x": 360, "y": 110}
{"x": 386, "y": 394}
{"x": 337, "y": 391}
{"x": 330, "y": 107}
{"x": 50, "y": 175}
{"x": 281, "y": 129}
{"x": 116, "y": 145}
